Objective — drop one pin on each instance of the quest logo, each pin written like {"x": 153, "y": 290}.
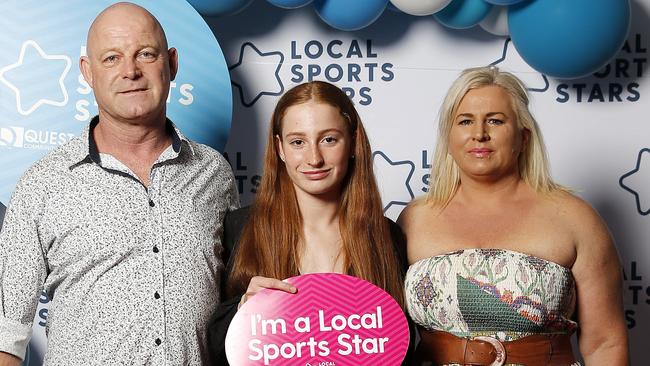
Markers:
{"x": 13, "y": 136}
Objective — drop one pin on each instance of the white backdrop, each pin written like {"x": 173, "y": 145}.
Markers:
{"x": 399, "y": 68}
{"x": 397, "y": 71}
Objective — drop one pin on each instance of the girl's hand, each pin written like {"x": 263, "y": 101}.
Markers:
{"x": 258, "y": 283}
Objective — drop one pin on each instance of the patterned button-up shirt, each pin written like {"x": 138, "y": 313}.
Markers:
{"x": 132, "y": 271}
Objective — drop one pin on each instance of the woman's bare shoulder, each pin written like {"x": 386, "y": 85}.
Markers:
{"x": 570, "y": 206}
{"x": 415, "y": 211}
{"x": 578, "y": 214}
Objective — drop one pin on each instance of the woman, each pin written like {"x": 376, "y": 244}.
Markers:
{"x": 317, "y": 208}
{"x": 499, "y": 251}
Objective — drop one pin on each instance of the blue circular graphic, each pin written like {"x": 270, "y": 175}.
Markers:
{"x": 503, "y": 2}
{"x": 219, "y": 7}
{"x": 44, "y": 100}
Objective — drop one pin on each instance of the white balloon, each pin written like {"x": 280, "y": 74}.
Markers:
{"x": 496, "y": 22}
{"x": 420, "y": 7}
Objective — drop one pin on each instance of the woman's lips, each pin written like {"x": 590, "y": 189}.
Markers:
{"x": 480, "y": 152}
{"x": 316, "y": 174}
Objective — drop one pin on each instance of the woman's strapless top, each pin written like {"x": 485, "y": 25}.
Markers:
{"x": 494, "y": 292}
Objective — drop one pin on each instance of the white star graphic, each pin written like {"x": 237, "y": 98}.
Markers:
{"x": 393, "y": 179}
{"x": 259, "y": 72}
{"x": 32, "y": 74}
{"x": 636, "y": 182}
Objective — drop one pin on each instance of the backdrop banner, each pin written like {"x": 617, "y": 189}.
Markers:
{"x": 397, "y": 71}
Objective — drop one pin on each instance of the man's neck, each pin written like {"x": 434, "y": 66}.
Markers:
{"x": 136, "y": 145}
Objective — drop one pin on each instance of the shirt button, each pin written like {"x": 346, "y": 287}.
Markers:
{"x": 155, "y": 249}
{"x": 151, "y": 203}
{"x": 156, "y": 295}
{"x": 158, "y": 341}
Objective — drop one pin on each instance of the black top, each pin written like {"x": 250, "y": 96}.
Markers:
{"x": 218, "y": 327}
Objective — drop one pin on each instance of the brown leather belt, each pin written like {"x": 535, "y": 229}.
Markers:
{"x": 535, "y": 350}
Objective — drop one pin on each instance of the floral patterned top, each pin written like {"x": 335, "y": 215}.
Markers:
{"x": 491, "y": 292}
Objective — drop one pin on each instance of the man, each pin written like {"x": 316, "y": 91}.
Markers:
{"x": 120, "y": 225}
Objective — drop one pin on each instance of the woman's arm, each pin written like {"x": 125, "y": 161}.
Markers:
{"x": 602, "y": 335}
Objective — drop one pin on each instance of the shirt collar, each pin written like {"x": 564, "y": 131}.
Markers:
{"x": 87, "y": 151}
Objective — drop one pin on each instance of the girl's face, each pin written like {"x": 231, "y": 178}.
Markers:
{"x": 316, "y": 146}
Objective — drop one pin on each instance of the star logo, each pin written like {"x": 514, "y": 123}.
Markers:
{"x": 512, "y": 61}
{"x": 393, "y": 178}
{"x": 34, "y": 75}
{"x": 636, "y": 182}
{"x": 260, "y": 72}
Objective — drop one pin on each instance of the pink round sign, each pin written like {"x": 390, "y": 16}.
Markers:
{"x": 333, "y": 320}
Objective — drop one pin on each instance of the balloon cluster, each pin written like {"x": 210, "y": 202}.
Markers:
{"x": 561, "y": 38}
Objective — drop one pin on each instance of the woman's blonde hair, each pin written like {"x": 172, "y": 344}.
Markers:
{"x": 533, "y": 160}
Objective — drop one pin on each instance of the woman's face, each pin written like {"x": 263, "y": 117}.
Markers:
{"x": 315, "y": 146}
{"x": 485, "y": 139}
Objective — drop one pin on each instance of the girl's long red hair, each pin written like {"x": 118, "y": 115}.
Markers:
{"x": 269, "y": 243}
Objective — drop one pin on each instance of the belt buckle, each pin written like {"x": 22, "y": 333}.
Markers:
{"x": 500, "y": 357}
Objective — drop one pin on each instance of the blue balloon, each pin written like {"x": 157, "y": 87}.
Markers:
{"x": 461, "y": 14}
{"x": 393, "y": 7}
{"x": 504, "y": 2}
{"x": 349, "y": 15}
{"x": 569, "y": 39}
{"x": 289, "y": 4}
{"x": 219, "y": 7}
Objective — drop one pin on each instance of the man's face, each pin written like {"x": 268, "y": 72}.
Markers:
{"x": 128, "y": 66}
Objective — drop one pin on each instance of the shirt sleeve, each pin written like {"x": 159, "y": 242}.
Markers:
{"x": 233, "y": 193}
{"x": 22, "y": 266}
